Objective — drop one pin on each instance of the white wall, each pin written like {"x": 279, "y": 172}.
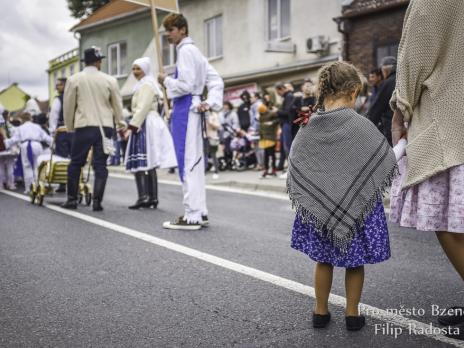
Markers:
{"x": 245, "y": 25}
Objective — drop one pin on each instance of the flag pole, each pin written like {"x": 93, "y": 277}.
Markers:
{"x": 159, "y": 56}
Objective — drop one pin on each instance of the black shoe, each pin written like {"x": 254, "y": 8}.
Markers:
{"x": 141, "y": 183}
{"x": 454, "y": 316}
{"x": 355, "y": 323}
{"x": 204, "y": 221}
{"x": 456, "y": 332}
{"x": 96, "y": 206}
{"x": 320, "y": 320}
{"x": 70, "y": 204}
{"x": 98, "y": 190}
{"x": 140, "y": 203}
{"x": 152, "y": 189}
{"x": 182, "y": 224}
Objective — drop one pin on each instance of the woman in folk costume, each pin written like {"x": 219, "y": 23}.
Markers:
{"x": 29, "y": 136}
{"x": 150, "y": 144}
{"x": 429, "y": 96}
{"x": 339, "y": 165}
{"x": 7, "y": 157}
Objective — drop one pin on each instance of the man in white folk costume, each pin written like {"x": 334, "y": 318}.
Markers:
{"x": 193, "y": 74}
{"x": 150, "y": 144}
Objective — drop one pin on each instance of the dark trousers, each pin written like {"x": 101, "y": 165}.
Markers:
{"x": 63, "y": 144}
{"x": 269, "y": 154}
{"x": 84, "y": 139}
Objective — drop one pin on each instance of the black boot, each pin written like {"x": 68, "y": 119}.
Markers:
{"x": 61, "y": 188}
{"x": 73, "y": 189}
{"x": 141, "y": 181}
{"x": 98, "y": 190}
{"x": 152, "y": 189}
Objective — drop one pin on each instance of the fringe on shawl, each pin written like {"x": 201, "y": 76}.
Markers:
{"x": 343, "y": 242}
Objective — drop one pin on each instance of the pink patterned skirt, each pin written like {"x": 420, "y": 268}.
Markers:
{"x": 436, "y": 204}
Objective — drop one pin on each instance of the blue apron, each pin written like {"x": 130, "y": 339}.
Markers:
{"x": 179, "y": 122}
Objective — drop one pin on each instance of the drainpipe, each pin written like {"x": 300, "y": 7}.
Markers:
{"x": 343, "y": 27}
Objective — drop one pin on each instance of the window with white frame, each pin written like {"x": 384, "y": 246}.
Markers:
{"x": 117, "y": 59}
{"x": 71, "y": 70}
{"x": 168, "y": 51}
{"x": 278, "y": 19}
{"x": 213, "y": 35}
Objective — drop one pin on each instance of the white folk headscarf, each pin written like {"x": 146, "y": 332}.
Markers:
{"x": 145, "y": 64}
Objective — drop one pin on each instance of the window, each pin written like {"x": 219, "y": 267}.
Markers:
{"x": 117, "y": 59}
{"x": 168, "y": 51}
{"x": 71, "y": 70}
{"x": 213, "y": 35}
{"x": 385, "y": 51}
{"x": 55, "y": 77}
{"x": 278, "y": 19}
{"x": 63, "y": 72}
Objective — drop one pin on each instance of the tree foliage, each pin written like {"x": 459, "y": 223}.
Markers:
{"x": 83, "y": 8}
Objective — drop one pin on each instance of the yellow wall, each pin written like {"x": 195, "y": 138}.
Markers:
{"x": 13, "y": 98}
{"x": 63, "y": 69}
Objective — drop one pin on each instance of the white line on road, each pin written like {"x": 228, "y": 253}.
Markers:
{"x": 373, "y": 312}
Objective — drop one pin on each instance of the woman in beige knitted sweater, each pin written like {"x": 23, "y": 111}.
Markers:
{"x": 429, "y": 97}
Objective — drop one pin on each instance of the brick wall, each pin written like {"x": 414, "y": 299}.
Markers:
{"x": 368, "y": 32}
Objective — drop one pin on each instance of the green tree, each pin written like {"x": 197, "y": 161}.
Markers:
{"x": 83, "y": 8}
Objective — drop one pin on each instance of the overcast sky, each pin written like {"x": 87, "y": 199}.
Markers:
{"x": 31, "y": 33}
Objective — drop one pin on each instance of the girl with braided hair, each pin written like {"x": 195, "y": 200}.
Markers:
{"x": 339, "y": 166}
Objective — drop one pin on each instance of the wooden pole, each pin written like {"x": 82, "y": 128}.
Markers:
{"x": 159, "y": 56}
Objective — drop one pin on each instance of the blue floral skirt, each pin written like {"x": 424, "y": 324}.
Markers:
{"x": 371, "y": 245}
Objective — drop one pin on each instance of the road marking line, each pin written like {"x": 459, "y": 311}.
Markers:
{"x": 288, "y": 284}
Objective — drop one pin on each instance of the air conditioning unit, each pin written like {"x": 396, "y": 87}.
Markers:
{"x": 317, "y": 44}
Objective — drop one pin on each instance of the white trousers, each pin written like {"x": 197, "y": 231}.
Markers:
{"x": 194, "y": 171}
{"x": 30, "y": 173}
{"x": 6, "y": 172}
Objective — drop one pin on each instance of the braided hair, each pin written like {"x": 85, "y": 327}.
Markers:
{"x": 336, "y": 80}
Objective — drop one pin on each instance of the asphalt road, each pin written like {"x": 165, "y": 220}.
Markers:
{"x": 67, "y": 282}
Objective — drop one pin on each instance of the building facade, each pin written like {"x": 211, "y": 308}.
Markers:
{"x": 257, "y": 43}
{"x": 65, "y": 65}
{"x": 371, "y": 30}
{"x": 252, "y": 43}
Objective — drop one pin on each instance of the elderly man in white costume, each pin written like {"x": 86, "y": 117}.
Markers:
{"x": 29, "y": 136}
{"x": 150, "y": 144}
{"x": 193, "y": 73}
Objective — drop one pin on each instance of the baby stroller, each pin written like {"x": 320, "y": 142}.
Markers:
{"x": 245, "y": 154}
{"x": 55, "y": 171}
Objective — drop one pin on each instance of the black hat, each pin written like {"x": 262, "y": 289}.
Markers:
{"x": 92, "y": 55}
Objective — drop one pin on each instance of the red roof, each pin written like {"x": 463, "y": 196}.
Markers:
{"x": 114, "y": 8}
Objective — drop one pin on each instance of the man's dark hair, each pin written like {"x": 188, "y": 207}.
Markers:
{"x": 245, "y": 94}
{"x": 175, "y": 20}
{"x": 280, "y": 85}
{"x": 63, "y": 80}
{"x": 376, "y": 71}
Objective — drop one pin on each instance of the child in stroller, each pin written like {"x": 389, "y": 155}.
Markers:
{"x": 243, "y": 153}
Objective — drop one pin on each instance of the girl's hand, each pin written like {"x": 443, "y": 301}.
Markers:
{"x": 399, "y": 131}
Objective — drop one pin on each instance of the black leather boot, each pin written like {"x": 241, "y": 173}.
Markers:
{"x": 141, "y": 179}
{"x": 152, "y": 189}
{"x": 98, "y": 190}
{"x": 73, "y": 189}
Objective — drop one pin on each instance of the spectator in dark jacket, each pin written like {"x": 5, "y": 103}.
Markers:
{"x": 285, "y": 116}
{"x": 380, "y": 111}
{"x": 244, "y": 111}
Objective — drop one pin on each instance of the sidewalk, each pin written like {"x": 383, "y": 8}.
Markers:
{"x": 248, "y": 180}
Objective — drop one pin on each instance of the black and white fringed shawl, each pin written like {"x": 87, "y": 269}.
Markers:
{"x": 339, "y": 167}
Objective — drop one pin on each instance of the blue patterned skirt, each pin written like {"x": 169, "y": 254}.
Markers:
{"x": 371, "y": 245}
{"x": 137, "y": 157}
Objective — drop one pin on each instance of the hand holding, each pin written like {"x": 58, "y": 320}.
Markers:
{"x": 161, "y": 78}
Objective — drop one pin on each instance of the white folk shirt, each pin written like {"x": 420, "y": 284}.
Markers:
{"x": 28, "y": 131}
{"x": 54, "y": 115}
{"x": 193, "y": 74}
